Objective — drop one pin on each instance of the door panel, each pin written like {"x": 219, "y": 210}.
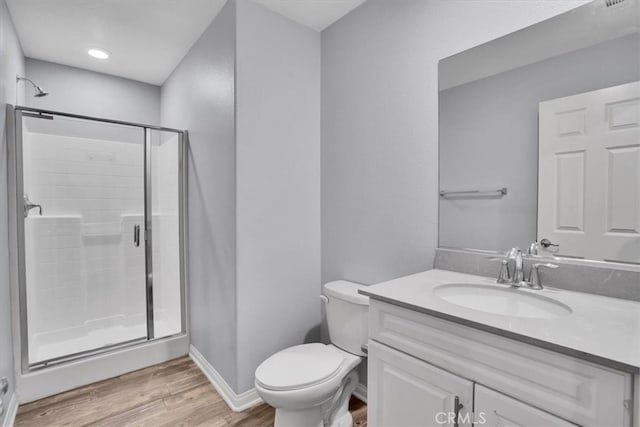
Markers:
{"x": 623, "y": 182}
{"x": 409, "y": 392}
{"x": 570, "y": 169}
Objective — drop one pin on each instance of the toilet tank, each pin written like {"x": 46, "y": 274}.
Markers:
{"x": 347, "y": 315}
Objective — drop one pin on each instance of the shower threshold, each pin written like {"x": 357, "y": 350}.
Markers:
{"x": 46, "y": 351}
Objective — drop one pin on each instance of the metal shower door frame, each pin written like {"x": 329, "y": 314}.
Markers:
{"x": 17, "y": 266}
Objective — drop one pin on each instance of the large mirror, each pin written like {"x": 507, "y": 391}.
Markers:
{"x": 540, "y": 138}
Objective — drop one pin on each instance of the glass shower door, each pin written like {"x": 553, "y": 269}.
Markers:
{"x": 165, "y": 199}
{"x": 84, "y": 247}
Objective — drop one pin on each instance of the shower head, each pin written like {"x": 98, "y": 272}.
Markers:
{"x": 38, "y": 91}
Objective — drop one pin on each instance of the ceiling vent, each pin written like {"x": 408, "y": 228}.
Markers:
{"x": 610, "y": 3}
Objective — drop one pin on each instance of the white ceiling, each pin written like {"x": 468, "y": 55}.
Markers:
{"x": 145, "y": 38}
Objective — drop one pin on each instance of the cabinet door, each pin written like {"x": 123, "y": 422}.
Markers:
{"x": 407, "y": 392}
{"x": 493, "y": 409}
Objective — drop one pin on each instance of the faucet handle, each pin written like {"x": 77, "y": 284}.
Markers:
{"x": 534, "y": 275}
{"x": 545, "y": 265}
{"x": 504, "y": 276}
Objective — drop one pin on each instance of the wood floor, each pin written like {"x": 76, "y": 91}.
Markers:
{"x": 175, "y": 393}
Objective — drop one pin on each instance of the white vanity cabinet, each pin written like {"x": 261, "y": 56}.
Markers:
{"x": 419, "y": 364}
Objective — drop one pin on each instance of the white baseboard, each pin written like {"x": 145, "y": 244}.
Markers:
{"x": 361, "y": 392}
{"x": 11, "y": 410}
{"x": 237, "y": 402}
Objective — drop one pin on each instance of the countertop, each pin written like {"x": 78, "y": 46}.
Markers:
{"x": 599, "y": 329}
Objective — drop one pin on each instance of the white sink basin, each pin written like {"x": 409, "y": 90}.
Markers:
{"x": 503, "y": 301}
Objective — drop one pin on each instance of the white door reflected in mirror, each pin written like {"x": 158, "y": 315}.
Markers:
{"x": 589, "y": 174}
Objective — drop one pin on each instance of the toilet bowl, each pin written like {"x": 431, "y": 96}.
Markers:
{"x": 310, "y": 384}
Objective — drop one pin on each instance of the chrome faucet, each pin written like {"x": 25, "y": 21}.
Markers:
{"x": 518, "y": 273}
{"x": 28, "y": 206}
{"x": 517, "y": 278}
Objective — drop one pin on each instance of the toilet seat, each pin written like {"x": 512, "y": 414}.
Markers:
{"x": 299, "y": 367}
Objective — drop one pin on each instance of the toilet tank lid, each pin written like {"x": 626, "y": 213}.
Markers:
{"x": 346, "y": 291}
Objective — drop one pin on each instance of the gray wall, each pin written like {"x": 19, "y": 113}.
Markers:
{"x": 74, "y": 90}
{"x": 489, "y": 139}
{"x": 199, "y": 96}
{"x": 380, "y": 126}
{"x": 254, "y": 186}
{"x": 278, "y": 185}
{"x": 11, "y": 63}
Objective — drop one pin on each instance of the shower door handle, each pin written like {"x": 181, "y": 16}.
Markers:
{"x": 136, "y": 235}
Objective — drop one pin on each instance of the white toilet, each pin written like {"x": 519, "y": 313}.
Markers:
{"x": 310, "y": 384}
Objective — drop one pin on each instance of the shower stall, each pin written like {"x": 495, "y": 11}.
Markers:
{"x": 98, "y": 218}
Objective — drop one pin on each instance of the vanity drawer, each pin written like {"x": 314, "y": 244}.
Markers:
{"x": 576, "y": 390}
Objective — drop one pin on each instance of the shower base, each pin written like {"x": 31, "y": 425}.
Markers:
{"x": 54, "y": 345}
{"x": 52, "y": 380}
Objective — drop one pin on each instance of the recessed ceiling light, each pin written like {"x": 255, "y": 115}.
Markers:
{"x": 98, "y": 53}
